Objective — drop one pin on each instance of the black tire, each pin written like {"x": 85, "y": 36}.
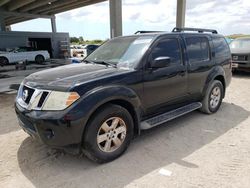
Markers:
{"x": 90, "y": 145}
{"x": 3, "y": 61}
{"x": 39, "y": 59}
{"x": 207, "y": 107}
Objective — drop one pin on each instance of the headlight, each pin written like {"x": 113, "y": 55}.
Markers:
{"x": 60, "y": 100}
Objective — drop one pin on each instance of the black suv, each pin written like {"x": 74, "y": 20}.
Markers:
{"x": 128, "y": 84}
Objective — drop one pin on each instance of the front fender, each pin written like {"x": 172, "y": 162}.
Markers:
{"x": 95, "y": 98}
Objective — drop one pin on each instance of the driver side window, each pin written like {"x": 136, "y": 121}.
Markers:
{"x": 168, "y": 48}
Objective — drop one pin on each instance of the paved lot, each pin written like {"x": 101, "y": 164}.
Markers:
{"x": 9, "y": 75}
{"x": 196, "y": 150}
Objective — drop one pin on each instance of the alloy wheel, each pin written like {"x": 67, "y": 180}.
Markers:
{"x": 111, "y": 134}
{"x": 215, "y": 97}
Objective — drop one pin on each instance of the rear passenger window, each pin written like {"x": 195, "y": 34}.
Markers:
{"x": 221, "y": 47}
{"x": 168, "y": 48}
{"x": 197, "y": 49}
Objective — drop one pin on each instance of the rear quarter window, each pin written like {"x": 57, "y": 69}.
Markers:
{"x": 198, "y": 49}
{"x": 221, "y": 47}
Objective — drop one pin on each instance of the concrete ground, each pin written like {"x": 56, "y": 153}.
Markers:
{"x": 9, "y": 75}
{"x": 196, "y": 150}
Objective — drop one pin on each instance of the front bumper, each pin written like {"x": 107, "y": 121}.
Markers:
{"x": 241, "y": 65}
{"x": 51, "y": 128}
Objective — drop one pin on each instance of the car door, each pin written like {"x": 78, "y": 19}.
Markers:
{"x": 20, "y": 54}
{"x": 200, "y": 63}
{"x": 17, "y": 55}
{"x": 31, "y": 54}
{"x": 164, "y": 87}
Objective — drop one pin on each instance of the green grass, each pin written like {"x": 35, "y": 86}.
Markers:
{"x": 234, "y": 36}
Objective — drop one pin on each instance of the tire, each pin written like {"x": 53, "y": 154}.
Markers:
{"x": 213, "y": 97}
{"x": 3, "y": 61}
{"x": 39, "y": 59}
{"x": 112, "y": 143}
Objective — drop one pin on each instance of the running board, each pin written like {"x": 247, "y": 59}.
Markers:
{"x": 163, "y": 118}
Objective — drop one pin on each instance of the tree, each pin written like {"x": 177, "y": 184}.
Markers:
{"x": 74, "y": 40}
{"x": 81, "y": 40}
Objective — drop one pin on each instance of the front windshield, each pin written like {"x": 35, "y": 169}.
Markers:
{"x": 123, "y": 52}
{"x": 240, "y": 43}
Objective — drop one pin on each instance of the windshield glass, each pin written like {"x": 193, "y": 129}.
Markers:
{"x": 240, "y": 43}
{"x": 123, "y": 52}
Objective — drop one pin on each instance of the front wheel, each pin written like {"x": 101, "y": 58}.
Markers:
{"x": 108, "y": 134}
{"x": 213, "y": 97}
{"x": 3, "y": 61}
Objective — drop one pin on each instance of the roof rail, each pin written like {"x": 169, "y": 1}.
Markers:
{"x": 177, "y": 29}
{"x": 141, "y": 32}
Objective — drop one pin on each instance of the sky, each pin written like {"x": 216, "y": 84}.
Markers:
{"x": 92, "y": 22}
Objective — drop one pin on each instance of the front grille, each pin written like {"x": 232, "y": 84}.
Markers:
{"x": 29, "y": 94}
{"x": 236, "y": 57}
{"x": 42, "y": 99}
{"x": 32, "y": 98}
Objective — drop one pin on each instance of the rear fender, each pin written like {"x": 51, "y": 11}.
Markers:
{"x": 216, "y": 71}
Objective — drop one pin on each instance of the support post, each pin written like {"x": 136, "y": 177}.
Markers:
{"x": 53, "y": 24}
{"x": 8, "y": 28}
{"x": 115, "y": 13}
{"x": 180, "y": 13}
{"x": 2, "y": 23}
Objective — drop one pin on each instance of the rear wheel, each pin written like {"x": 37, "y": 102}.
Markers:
{"x": 108, "y": 134}
{"x": 213, "y": 98}
{"x": 39, "y": 59}
{"x": 3, "y": 61}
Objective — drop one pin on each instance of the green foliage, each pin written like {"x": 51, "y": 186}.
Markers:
{"x": 74, "y": 40}
{"x": 234, "y": 36}
{"x": 80, "y": 40}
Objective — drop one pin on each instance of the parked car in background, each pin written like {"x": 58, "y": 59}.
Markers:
{"x": 90, "y": 48}
{"x": 23, "y": 54}
{"x": 76, "y": 51}
{"x": 82, "y": 51}
{"x": 128, "y": 84}
{"x": 240, "y": 49}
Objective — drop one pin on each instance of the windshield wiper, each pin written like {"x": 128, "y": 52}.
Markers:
{"x": 87, "y": 61}
{"x": 105, "y": 63}
{"x": 100, "y": 63}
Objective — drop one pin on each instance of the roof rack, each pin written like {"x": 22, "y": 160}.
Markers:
{"x": 177, "y": 29}
{"x": 141, "y": 32}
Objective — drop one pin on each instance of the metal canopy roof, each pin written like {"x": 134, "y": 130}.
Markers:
{"x": 15, "y": 11}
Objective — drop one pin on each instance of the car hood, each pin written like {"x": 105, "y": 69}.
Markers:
{"x": 65, "y": 77}
{"x": 240, "y": 51}
{"x": 4, "y": 53}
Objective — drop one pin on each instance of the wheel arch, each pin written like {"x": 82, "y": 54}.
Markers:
{"x": 222, "y": 80}
{"x": 123, "y": 103}
{"x": 217, "y": 73}
{"x": 1, "y": 56}
{"x": 39, "y": 55}
{"x": 96, "y": 99}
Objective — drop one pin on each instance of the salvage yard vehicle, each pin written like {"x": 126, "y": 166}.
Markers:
{"x": 240, "y": 49}
{"x": 82, "y": 51}
{"x": 127, "y": 85}
{"x": 23, "y": 54}
{"x": 89, "y": 48}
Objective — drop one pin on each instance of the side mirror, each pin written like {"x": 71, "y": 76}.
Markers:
{"x": 161, "y": 62}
